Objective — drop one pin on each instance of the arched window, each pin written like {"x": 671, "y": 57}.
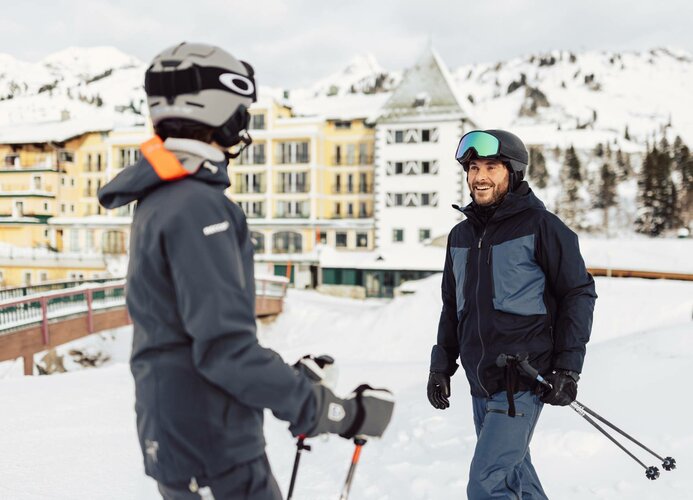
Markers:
{"x": 258, "y": 240}
{"x": 287, "y": 242}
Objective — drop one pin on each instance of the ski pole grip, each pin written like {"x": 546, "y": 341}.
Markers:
{"x": 529, "y": 369}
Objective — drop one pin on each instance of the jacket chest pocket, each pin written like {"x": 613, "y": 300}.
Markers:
{"x": 459, "y": 268}
{"x": 518, "y": 281}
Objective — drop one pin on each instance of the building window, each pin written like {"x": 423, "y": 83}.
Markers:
{"x": 399, "y": 167}
{"x": 426, "y": 135}
{"x": 399, "y": 136}
{"x": 425, "y": 167}
{"x": 363, "y": 212}
{"x": 398, "y": 235}
{"x": 340, "y": 124}
{"x": 399, "y": 199}
{"x": 337, "y": 209}
{"x": 259, "y": 154}
{"x": 341, "y": 240}
{"x": 45, "y": 207}
{"x": 72, "y": 183}
{"x": 258, "y": 240}
{"x": 62, "y": 208}
{"x": 363, "y": 182}
{"x": 425, "y": 199}
{"x": 74, "y": 240}
{"x": 12, "y": 160}
{"x": 72, "y": 209}
{"x": 27, "y": 278}
{"x": 287, "y": 242}
{"x": 62, "y": 181}
{"x": 257, "y": 122}
{"x": 362, "y": 240}
{"x": 363, "y": 154}
{"x": 43, "y": 276}
{"x": 424, "y": 234}
{"x": 37, "y": 182}
{"x": 293, "y": 209}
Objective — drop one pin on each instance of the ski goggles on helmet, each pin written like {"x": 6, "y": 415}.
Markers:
{"x": 477, "y": 141}
{"x": 195, "y": 79}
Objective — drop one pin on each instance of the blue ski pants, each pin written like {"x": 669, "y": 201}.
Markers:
{"x": 502, "y": 467}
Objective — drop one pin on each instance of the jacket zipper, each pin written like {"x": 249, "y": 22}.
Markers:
{"x": 478, "y": 313}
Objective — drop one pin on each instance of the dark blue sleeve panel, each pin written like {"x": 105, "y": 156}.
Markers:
{"x": 447, "y": 349}
{"x": 573, "y": 288}
{"x": 216, "y": 304}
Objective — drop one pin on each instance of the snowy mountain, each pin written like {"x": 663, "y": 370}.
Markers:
{"x": 558, "y": 97}
{"x": 99, "y": 85}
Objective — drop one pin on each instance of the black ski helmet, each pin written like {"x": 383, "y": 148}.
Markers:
{"x": 204, "y": 84}
{"x": 511, "y": 151}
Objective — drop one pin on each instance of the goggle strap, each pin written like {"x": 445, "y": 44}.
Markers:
{"x": 192, "y": 80}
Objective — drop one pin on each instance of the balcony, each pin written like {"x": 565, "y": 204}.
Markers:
{"x": 299, "y": 215}
{"x": 362, "y": 189}
{"x": 346, "y": 161}
{"x": 252, "y": 189}
{"x": 257, "y": 160}
{"x": 287, "y": 160}
{"x": 296, "y": 189}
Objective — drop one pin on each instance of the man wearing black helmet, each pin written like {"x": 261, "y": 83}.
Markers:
{"x": 202, "y": 380}
{"x": 514, "y": 283}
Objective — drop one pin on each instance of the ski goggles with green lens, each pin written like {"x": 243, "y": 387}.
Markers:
{"x": 482, "y": 143}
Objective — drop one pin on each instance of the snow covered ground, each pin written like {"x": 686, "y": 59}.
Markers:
{"x": 72, "y": 436}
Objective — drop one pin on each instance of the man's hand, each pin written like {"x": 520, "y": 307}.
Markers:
{"x": 438, "y": 390}
{"x": 564, "y": 390}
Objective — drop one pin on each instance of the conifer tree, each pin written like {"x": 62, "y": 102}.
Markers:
{"x": 570, "y": 206}
{"x": 537, "y": 168}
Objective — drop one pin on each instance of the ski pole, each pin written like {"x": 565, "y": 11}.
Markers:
{"x": 359, "y": 442}
{"x": 668, "y": 463}
{"x": 300, "y": 446}
{"x": 651, "y": 472}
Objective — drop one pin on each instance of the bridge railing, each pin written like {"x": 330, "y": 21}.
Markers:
{"x": 18, "y": 313}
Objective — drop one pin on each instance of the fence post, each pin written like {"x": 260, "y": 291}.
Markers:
{"x": 90, "y": 315}
{"x": 44, "y": 321}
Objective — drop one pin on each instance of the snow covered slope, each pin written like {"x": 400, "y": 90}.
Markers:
{"x": 73, "y": 437}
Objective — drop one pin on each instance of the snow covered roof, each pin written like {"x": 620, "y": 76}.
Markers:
{"x": 426, "y": 87}
{"x": 400, "y": 258}
{"x": 343, "y": 107}
{"x": 91, "y": 220}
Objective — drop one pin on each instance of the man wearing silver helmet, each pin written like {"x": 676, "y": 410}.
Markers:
{"x": 514, "y": 283}
{"x": 202, "y": 380}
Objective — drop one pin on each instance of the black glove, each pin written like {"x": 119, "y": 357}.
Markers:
{"x": 438, "y": 390}
{"x": 564, "y": 390}
{"x": 366, "y": 412}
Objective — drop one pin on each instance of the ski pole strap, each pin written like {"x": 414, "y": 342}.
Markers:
{"x": 511, "y": 385}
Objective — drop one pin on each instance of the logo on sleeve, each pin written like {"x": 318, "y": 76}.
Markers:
{"x": 335, "y": 412}
{"x": 215, "y": 228}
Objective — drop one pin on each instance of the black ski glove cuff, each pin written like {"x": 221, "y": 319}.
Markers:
{"x": 564, "y": 390}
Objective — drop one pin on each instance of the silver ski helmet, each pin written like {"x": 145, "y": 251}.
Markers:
{"x": 498, "y": 144}
{"x": 204, "y": 84}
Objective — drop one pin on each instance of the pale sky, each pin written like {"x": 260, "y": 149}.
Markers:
{"x": 295, "y": 42}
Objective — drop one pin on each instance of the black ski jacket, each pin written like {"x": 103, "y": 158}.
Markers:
{"x": 201, "y": 378}
{"x": 515, "y": 284}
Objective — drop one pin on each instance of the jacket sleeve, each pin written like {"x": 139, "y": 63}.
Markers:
{"x": 216, "y": 304}
{"x": 446, "y": 351}
{"x": 573, "y": 289}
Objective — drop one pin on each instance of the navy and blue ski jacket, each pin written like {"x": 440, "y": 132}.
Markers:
{"x": 201, "y": 378}
{"x": 515, "y": 284}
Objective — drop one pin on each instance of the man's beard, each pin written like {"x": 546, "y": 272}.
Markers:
{"x": 497, "y": 194}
